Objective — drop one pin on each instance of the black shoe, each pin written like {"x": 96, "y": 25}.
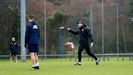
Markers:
{"x": 97, "y": 61}
{"x": 78, "y": 63}
{"x": 36, "y": 68}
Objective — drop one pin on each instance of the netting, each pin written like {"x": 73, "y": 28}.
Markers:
{"x": 109, "y": 22}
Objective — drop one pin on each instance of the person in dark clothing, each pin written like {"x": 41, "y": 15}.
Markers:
{"x": 13, "y": 50}
{"x": 85, "y": 41}
{"x": 32, "y": 39}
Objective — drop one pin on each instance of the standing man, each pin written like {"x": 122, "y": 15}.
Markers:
{"x": 85, "y": 41}
{"x": 32, "y": 40}
{"x": 13, "y": 49}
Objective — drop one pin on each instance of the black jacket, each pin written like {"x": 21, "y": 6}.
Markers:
{"x": 85, "y": 36}
{"x": 32, "y": 35}
{"x": 13, "y": 47}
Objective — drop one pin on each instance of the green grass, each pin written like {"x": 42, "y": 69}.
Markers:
{"x": 65, "y": 67}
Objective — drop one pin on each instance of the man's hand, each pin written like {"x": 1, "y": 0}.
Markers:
{"x": 92, "y": 44}
{"x": 68, "y": 29}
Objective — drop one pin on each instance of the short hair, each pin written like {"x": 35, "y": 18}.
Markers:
{"x": 30, "y": 17}
{"x": 80, "y": 22}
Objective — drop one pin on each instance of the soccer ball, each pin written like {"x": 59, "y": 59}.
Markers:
{"x": 69, "y": 45}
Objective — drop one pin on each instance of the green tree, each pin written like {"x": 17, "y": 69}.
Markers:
{"x": 53, "y": 24}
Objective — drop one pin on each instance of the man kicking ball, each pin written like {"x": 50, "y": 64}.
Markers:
{"x": 32, "y": 39}
{"x": 85, "y": 41}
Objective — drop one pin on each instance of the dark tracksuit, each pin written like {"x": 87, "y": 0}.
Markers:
{"x": 85, "y": 39}
{"x": 13, "y": 48}
{"x": 32, "y": 37}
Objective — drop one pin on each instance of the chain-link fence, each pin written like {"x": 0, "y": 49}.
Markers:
{"x": 109, "y": 21}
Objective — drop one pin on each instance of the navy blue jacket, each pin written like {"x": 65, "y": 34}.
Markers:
{"x": 13, "y": 47}
{"x": 85, "y": 36}
{"x": 32, "y": 35}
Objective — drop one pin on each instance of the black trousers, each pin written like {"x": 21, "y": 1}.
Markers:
{"x": 87, "y": 48}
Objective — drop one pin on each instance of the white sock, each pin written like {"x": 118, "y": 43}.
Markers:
{"x": 33, "y": 65}
{"x": 37, "y": 64}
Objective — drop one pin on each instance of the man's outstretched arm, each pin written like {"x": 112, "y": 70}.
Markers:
{"x": 73, "y": 32}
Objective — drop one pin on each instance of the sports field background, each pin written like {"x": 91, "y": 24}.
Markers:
{"x": 111, "y": 22}
{"x": 66, "y": 67}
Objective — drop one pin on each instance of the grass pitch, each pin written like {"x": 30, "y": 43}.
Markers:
{"x": 65, "y": 67}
